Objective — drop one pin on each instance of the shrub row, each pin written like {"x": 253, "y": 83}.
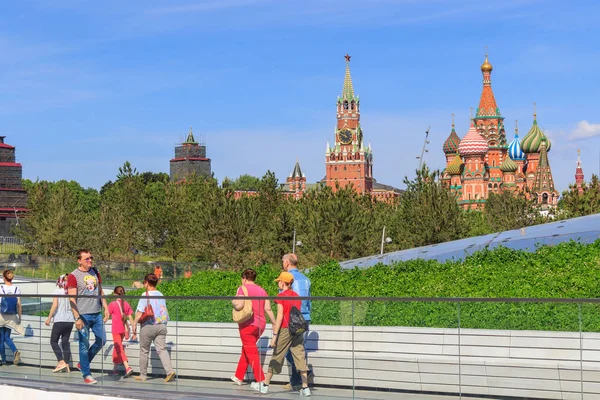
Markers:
{"x": 568, "y": 270}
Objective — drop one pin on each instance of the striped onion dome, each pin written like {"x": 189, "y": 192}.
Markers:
{"x": 455, "y": 167}
{"x": 508, "y": 165}
{"x": 451, "y": 144}
{"x": 532, "y": 141}
{"x": 514, "y": 149}
{"x": 473, "y": 143}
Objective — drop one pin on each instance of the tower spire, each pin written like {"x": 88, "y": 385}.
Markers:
{"x": 579, "y": 174}
{"x": 487, "y": 102}
{"x": 190, "y": 137}
{"x": 348, "y": 89}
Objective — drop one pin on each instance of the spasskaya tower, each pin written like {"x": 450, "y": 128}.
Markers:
{"x": 349, "y": 161}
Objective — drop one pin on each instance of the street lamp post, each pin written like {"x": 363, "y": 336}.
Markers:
{"x": 384, "y": 240}
{"x": 295, "y": 243}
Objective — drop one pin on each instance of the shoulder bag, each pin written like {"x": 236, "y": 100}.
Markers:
{"x": 245, "y": 313}
{"x": 148, "y": 311}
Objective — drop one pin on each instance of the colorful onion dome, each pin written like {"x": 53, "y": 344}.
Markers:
{"x": 486, "y": 66}
{"x": 473, "y": 143}
{"x": 455, "y": 167}
{"x": 514, "y": 149}
{"x": 532, "y": 141}
{"x": 508, "y": 165}
{"x": 451, "y": 144}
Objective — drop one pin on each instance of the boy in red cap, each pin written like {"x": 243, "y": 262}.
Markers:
{"x": 282, "y": 341}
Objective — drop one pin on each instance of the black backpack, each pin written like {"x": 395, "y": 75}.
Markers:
{"x": 297, "y": 324}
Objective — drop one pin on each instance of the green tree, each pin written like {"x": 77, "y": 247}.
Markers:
{"x": 243, "y": 182}
{"x": 55, "y": 223}
{"x": 428, "y": 212}
{"x": 575, "y": 204}
{"x": 509, "y": 210}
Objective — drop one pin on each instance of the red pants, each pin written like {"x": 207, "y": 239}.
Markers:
{"x": 250, "y": 335}
{"x": 119, "y": 355}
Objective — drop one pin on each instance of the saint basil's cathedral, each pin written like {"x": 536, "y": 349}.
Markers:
{"x": 482, "y": 162}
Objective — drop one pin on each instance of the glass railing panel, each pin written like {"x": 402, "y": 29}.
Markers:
{"x": 406, "y": 346}
{"x": 510, "y": 348}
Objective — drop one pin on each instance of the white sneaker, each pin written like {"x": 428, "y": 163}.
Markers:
{"x": 305, "y": 392}
{"x": 237, "y": 381}
{"x": 260, "y": 387}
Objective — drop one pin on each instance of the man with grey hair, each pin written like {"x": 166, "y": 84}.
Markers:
{"x": 301, "y": 286}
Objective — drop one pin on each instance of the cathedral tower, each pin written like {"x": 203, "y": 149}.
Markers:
{"x": 473, "y": 148}
{"x": 349, "y": 161}
{"x": 490, "y": 124}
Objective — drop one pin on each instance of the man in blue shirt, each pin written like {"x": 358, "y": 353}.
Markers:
{"x": 301, "y": 285}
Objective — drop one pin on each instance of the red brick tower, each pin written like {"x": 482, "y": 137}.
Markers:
{"x": 490, "y": 124}
{"x": 579, "y": 174}
{"x": 348, "y": 161}
{"x": 297, "y": 182}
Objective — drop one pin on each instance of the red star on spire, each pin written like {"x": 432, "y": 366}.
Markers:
{"x": 347, "y": 57}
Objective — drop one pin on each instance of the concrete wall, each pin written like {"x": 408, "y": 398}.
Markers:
{"x": 533, "y": 364}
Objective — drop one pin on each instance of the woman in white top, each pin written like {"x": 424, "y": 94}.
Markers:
{"x": 11, "y": 311}
{"x": 63, "y": 325}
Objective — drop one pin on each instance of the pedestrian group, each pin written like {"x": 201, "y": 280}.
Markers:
{"x": 83, "y": 309}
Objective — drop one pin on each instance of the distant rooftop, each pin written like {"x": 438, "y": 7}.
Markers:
{"x": 583, "y": 229}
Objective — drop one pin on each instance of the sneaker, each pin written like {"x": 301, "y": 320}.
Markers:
{"x": 79, "y": 366}
{"x": 305, "y": 392}
{"x": 128, "y": 372}
{"x": 237, "y": 381}
{"x": 260, "y": 387}
{"x": 17, "y": 359}
{"x": 89, "y": 380}
{"x": 170, "y": 376}
{"x": 141, "y": 378}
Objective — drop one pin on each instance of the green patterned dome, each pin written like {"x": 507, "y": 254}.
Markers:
{"x": 532, "y": 141}
{"x": 508, "y": 165}
{"x": 455, "y": 167}
{"x": 451, "y": 144}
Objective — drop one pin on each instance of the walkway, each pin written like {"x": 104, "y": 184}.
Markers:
{"x": 184, "y": 389}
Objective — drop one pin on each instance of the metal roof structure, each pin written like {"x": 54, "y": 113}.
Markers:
{"x": 583, "y": 229}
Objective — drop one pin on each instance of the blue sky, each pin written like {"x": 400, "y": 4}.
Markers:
{"x": 87, "y": 85}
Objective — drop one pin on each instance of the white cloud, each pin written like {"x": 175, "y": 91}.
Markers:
{"x": 585, "y": 130}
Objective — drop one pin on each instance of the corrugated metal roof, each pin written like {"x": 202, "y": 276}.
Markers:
{"x": 583, "y": 229}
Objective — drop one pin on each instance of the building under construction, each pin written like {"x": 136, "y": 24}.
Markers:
{"x": 13, "y": 198}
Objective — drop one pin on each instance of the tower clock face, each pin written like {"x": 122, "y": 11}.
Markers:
{"x": 345, "y": 136}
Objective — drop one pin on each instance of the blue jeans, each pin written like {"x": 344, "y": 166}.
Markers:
{"x": 295, "y": 378}
{"x": 87, "y": 353}
{"x": 5, "y": 338}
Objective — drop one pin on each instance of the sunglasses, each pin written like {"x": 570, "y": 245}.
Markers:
{"x": 89, "y": 259}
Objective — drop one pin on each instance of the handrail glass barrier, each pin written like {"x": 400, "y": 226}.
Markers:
{"x": 367, "y": 348}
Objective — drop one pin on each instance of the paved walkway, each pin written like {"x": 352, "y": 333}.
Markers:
{"x": 184, "y": 389}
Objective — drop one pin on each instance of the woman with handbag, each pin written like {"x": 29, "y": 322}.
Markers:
{"x": 63, "y": 325}
{"x": 250, "y": 315}
{"x": 152, "y": 314}
{"x": 120, "y": 310}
